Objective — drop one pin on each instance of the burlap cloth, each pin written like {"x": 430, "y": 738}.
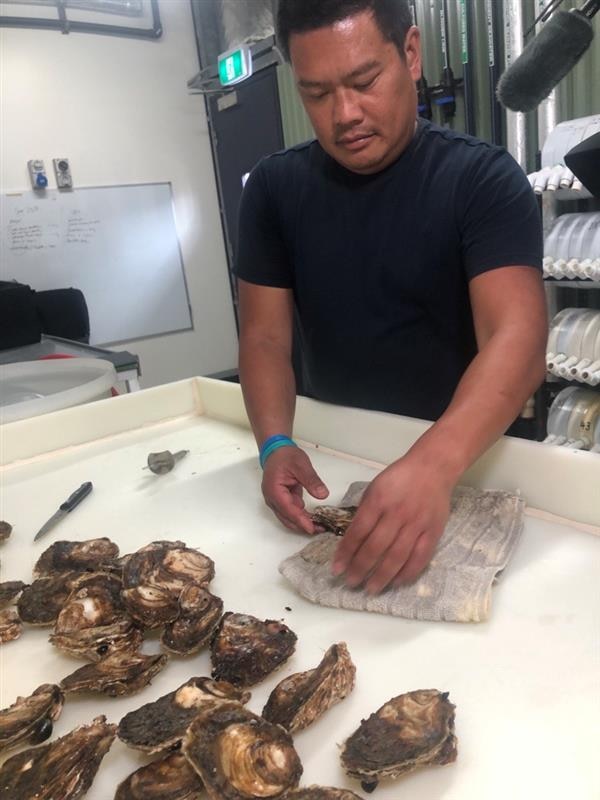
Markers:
{"x": 479, "y": 539}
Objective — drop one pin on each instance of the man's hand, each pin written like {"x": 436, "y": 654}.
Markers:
{"x": 396, "y": 528}
{"x": 287, "y": 472}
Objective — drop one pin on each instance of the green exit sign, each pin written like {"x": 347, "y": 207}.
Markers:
{"x": 235, "y": 65}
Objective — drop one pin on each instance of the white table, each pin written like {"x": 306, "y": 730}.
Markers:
{"x": 526, "y": 684}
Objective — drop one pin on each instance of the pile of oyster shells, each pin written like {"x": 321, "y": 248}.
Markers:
{"x": 206, "y": 743}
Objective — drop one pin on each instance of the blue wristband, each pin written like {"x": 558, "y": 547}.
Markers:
{"x": 274, "y": 443}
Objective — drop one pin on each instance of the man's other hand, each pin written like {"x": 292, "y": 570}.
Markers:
{"x": 396, "y": 528}
{"x": 287, "y": 472}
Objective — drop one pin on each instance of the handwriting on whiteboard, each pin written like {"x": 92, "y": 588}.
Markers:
{"x": 27, "y": 231}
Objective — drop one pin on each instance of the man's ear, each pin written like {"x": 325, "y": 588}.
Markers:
{"x": 412, "y": 52}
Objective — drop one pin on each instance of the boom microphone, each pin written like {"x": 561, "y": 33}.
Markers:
{"x": 547, "y": 58}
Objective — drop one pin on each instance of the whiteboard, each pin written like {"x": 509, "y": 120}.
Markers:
{"x": 118, "y": 244}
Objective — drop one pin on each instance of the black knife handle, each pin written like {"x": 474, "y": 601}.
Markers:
{"x": 77, "y": 496}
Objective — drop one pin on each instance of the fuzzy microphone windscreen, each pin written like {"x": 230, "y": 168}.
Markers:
{"x": 545, "y": 61}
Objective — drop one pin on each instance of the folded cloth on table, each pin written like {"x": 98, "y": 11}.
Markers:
{"x": 477, "y": 543}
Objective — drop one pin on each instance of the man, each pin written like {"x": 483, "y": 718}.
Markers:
{"x": 410, "y": 256}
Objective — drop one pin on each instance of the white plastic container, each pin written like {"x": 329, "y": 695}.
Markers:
{"x": 31, "y": 388}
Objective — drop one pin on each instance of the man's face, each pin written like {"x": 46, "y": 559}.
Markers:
{"x": 357, "y": 90}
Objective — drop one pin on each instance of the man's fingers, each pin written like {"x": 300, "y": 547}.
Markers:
{"x": 311, "y": 481}
{"x": 418, "y": 560}
{"x": 393, "y": 561}
{"x": 372, "y": 550}
{"x": 360, "y": 528}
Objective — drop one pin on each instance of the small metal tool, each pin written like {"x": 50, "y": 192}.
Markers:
{"x": 161, "y": 463}
{"x": 65, "y": 508}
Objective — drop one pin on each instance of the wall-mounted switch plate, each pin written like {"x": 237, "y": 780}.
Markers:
{"x": 62, "y": 170}
{"x": 37, "y": 173}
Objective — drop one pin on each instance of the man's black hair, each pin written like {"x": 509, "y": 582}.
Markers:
{"x": 393, "y": 17}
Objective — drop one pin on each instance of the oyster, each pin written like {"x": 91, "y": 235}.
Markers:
{"x": 301, "y": 698}
{"x": 9, "y": 590}
{"x": 75, "y": 557}
{"x": 30, "y": 719}
{"x": 40, "y": 603}
{"x": 239, "y": 755}
{"x": 199, "y": 617}
{"x": 412, "y": 730}
{"x": 169, "y": 778}
{"x": 321, "y": 793}
{"x": 334, "y": 518}
{"x": 93, "y": 622}
{"x": 61, "y": 770}
{"x": 170, "y": 565}
{"x": 162, "y": 724}
{"x": 154, "y": 577}
{"x": 151, "y": 606}
{"x": 10, "y": 625}
{"x": 117, "y": 674}
{"x": 5, "y": 530}
{"x": 246, "y": 650}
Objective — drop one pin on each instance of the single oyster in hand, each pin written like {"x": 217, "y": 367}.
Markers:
{"x": 169, "y": 778}
{"x": 5, "y": 530}
{"x": 10, "y": 625}
{"x": 246, "y": 650}
{"x": 199, "y": 616}
{"x": 412, "y": 730}
{"x": 322, "y": 793}
{"x": 9, "y": 590}
{"x": 121, "y": 673}
{"x": 334, "y": 518}
{"x": 40, "y": 603}
{"x": 93, "y": 622}
{"x": 84, "y": 556}
{"x": 301, "y": 698}
{"x": 30, "y": 719}
{"x": 239, "y": 755}
{"x": 162, "y": 724}
{"x": 61, "y": 770}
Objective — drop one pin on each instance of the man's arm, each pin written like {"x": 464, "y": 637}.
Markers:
{"x": 269, "y": 389}
{"x": 405, "y": 509}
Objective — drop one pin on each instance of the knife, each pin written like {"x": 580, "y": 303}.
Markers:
{"x": 65, "y": 508}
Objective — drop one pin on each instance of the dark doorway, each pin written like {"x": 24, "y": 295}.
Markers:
{"x": 246, "y": 125}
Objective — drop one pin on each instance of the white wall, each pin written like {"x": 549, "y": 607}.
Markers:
{"x": 120, "y": 110}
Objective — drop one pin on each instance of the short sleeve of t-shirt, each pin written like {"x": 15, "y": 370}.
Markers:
{"x": 500, "y": 224}
{"x": 262, "y": 256}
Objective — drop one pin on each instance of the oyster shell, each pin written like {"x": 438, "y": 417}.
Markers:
{"x": 246, "y": 650}
{"x": 120, "y": 673}
{"x": 30, "y": 719}
{"x": 75, "y": 557}
{"x": 151, "y": 606}
{"x": 169, "y": 778}
{"x": 409, "y": 731}
{"x": 9, "y": 590}
{"x": 93, "y": 622}
{"x": 199, "y": 616}
{"x": 322, "y": 793}
{"x": 239, "y": 755}
{"x": 10, "y": 625}
{"x": 170, "y": 565}
{"x": 334, "y": 518}
{"x": 301, "y": 698}
{"x": 161, "y": 725}
{"x": 154, "y": 577}
{"x": 61, "y": 770}
{"x": 5, "y": 530}
{"x": 40, "y": 603}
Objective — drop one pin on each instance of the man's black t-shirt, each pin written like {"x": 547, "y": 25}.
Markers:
{"x": 380, "y": 264}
